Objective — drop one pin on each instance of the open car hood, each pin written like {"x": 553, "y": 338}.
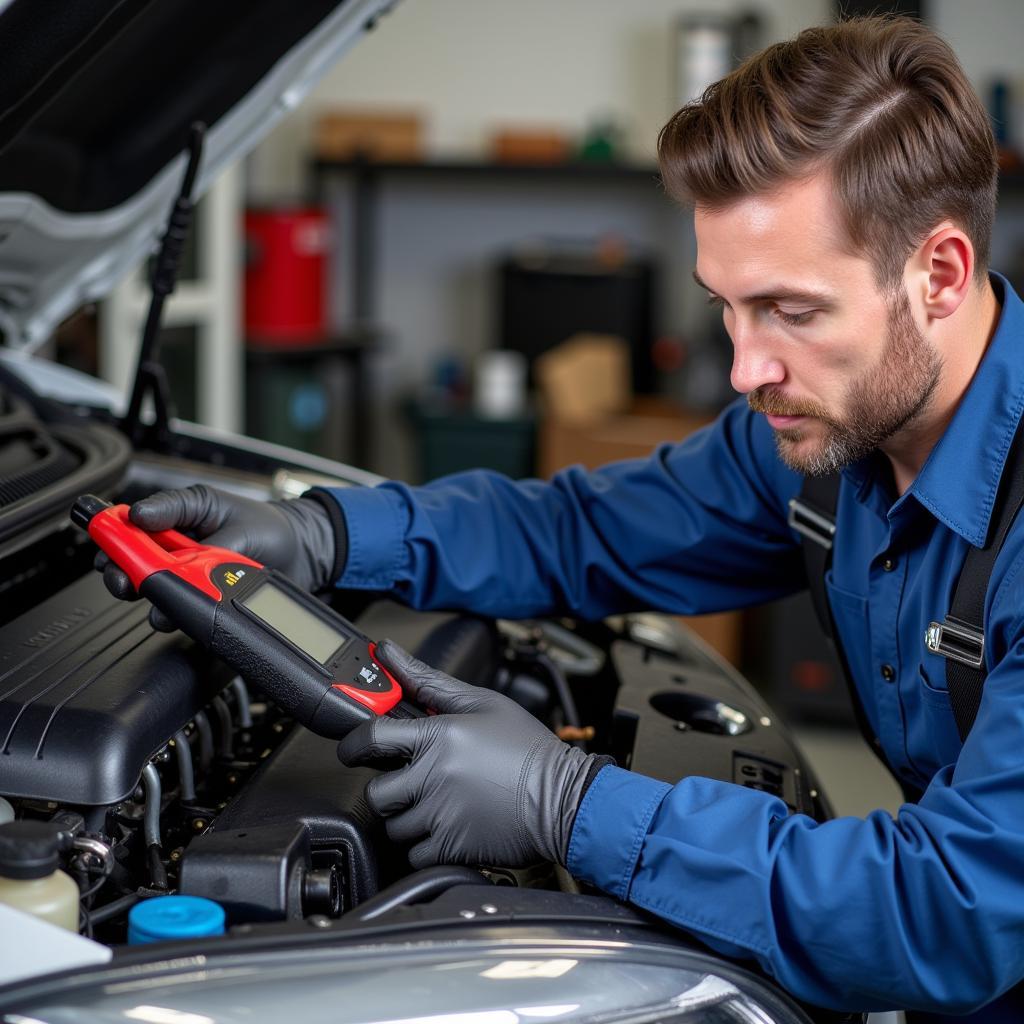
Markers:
{"x": 96, "y": 100}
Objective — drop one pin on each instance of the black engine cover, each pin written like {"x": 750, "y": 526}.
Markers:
{"x": 690, "y": 713}
{"x": 89, "y": 692}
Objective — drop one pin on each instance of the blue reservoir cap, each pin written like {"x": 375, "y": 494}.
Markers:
{"x": 163, "y": 918}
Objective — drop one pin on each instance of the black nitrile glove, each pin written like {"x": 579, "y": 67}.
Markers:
{"x": 486, "y": 782}
{"x": 296, "y": 537}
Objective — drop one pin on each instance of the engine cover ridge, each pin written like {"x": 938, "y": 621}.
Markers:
{"x": 89, "y": 692}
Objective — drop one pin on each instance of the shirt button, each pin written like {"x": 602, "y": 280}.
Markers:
{"x": 889, "y": 564}
{"x": 888, "y": 673}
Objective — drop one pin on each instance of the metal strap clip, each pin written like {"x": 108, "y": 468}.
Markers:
{"x": 956, "y": 640}
{"x": 811, "y": 523}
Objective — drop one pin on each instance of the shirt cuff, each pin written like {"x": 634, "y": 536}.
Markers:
{"x": 610, "y": 828}
{"x": 376, "y": 521}
{"x": 323, "y": 497}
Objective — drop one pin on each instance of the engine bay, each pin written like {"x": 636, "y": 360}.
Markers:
{"x": 142, "y": 743}
{"x": 165, "y": 772}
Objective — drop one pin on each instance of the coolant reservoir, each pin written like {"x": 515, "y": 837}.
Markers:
{"x": 30, "y": 879}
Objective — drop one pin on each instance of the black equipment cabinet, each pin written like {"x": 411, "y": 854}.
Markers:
{"x": 546, "y": 299}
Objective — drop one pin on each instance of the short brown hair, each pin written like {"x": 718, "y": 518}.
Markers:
{"x": 880, "y": 102}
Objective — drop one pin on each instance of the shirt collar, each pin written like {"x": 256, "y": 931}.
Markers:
{"x": 958, "y": 482}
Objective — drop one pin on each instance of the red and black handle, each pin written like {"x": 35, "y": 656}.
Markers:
{"x": 314, "y": 663}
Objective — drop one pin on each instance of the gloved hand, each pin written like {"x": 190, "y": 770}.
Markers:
{"x": 296, "y": 537}
{"x": 486, "y": 782}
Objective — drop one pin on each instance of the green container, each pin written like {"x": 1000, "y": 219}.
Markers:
{"x": 294, "y": 400}
{"x": 449, "y": 441}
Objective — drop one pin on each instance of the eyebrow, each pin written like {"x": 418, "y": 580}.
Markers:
{"x": 780, "y": 294}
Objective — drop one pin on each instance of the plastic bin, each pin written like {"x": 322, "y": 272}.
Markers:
{"x": 451, "y": 440}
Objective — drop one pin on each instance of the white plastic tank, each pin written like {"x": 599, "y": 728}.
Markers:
{"x": 30, "y": 876}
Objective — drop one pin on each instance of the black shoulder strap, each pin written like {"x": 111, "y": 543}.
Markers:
{"x": 813, "y": 516}
{"x": 961, "y": 637}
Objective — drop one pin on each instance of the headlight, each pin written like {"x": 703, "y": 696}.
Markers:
{"x": 466, "y": 982}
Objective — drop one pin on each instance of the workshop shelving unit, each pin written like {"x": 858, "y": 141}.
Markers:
{"x": 367, "y": 176}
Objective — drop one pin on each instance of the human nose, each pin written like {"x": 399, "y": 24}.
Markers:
{"x": 753, "y": 361}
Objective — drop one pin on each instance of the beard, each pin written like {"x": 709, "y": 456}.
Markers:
{"x": 878, "y": 404}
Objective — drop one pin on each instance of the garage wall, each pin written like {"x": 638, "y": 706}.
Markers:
{"x": 469, "y": 64}
{"x": 987, "y": 36}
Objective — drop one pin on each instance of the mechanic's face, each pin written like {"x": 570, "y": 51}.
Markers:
{"x": 838, "y": 367}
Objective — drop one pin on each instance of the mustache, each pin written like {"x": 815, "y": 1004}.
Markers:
{"x": 767, "y": 400}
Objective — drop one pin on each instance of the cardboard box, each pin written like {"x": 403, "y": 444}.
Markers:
{"x": 530, "y": 146}
{"x": 585, "y": 379}
{"x": 630, "y": 435}
{"x": 395, "y": 136}
{"x": 626, "y": 435}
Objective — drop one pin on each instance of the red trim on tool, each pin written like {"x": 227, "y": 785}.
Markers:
{"x": 140, "y": 554}
{"x": 379, "y": 703}
{"x": 372, "y": 648}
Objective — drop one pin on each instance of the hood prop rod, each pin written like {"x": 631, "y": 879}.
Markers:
{"x": 150, "y": 376}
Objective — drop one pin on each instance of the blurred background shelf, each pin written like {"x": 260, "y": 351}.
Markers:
{"x": 367, "y": 177}
{"x": 570, "y": 170}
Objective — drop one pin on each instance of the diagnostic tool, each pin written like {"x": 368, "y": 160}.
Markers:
{"x": 314, "y": 664}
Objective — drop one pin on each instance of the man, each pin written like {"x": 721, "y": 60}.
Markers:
{"x": 844, "y": 190}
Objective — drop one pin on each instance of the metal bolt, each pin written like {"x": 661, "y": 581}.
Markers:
{"x": 765, "y": 721}
{"x": 489, "y": 908}
{"x": 681, "y": 727}
{"x": 232, "y": 779}
{"x": 198, "y": 824}
{"x": 176, "y": 854}
{"x": 319, "y": 921}
{"x": 467, "y": 914}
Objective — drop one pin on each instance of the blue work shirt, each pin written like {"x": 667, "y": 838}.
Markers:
{"x": 923, "y": 910}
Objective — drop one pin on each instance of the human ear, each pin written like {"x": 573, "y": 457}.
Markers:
{"x": 941, "y": 271}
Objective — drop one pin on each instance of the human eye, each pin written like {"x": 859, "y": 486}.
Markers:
{"x": 715, "y": 301}
{"x": 795, "y": 319}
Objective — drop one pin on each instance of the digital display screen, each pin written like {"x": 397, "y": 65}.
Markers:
{"x": 307, "y": 631}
